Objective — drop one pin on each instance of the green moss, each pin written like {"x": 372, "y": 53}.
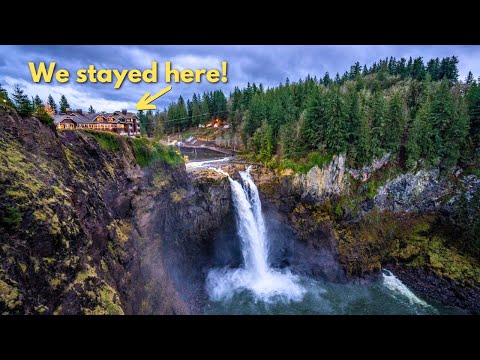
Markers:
{"x": 17, "y": 194}
{"x": 23, "y": 266}
{"x": 110, "y": 169}
{"x": 104, "y": 266}
{"x": 55, "y": 228}
{"x": 161, "y": 180}
{"x": 36, "y": 264}
{"x": 121, "y": 229}
{"x": 148, "y": 152}
{"x": 58, "y": 191}
{"x": 41, "y": 309}
{"x": 70, "y": 158}
{"x": 9, "y": 296}
{"x": 39, "y": 215}
{"x": 49, "y": 260}
{"x": 108, "y": 301}
{"x": 178, "y": 196}
{"x": 413, "y": 240}
{"x": 58, "y": 310}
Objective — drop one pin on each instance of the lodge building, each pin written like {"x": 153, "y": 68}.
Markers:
{"x": 120, "y": 122}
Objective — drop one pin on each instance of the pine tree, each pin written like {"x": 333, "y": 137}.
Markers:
{"x": 473, "y": 97}
{"x": 377, "y": 113}
{"x": 420, "y": 142}
{"x": 36, "y": 103}
{"x": 469, "y": 79}
{"x": 364, "y": 149}
{"x": 181, "y": 113}
{"x": 326, "y": 79}
{"x": 91, "y": 110}
{"x": 205, "y": 112}
{"x": 335, "y": 120}
{"x": 312, "y": 130}
{"x": 394, "y": 124}
{"x": 449, "y": 125}
{"x": 352, "y": 126}
{"x": 365, "y": 70}
{"x": 4, "y": 96}
{"x": 21, "y": 101}
{"x": 196, "y": 111}
{"x": 63, "y": 104}
{"x": 418, "y": 69}
{"x": 51, "y": 104}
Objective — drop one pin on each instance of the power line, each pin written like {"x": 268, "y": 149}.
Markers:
{"x": 191, "y": 117}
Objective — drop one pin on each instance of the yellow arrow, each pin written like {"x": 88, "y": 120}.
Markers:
{"x": 144, "y": 102}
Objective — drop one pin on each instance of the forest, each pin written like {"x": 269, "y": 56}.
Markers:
{"x": 419, "y": 112}
{"x": 415, "y": 111}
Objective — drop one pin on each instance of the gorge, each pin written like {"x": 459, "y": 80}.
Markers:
{"x": 99, "y": 224}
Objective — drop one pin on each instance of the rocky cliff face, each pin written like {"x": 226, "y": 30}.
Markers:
{"x": 85, "y": 230}
{"x": 318, "y": 183}
{"x": 353, "y": 225}
{"x": 425, "y": 191}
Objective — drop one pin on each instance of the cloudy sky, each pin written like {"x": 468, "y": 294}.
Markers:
{"x": 269, "y": 65}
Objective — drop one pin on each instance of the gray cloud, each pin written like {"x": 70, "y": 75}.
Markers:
{"x": 269, "y": 65}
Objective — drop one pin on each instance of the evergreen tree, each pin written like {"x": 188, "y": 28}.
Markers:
{"x": 473, "y": 97}
{"x": 377, "y": 113}
{"x": 51, "y": 104}
{"x": 469, "y": 79}
{"x": 418, "y": 69}
{"x": 205, "y": 112}
{"x": 326, "y": 79}
{"x": 312, "y": 129}
{"x": 64, "y": 104}
{"x": 91, "y": 110}
{"x": 394, "y": 124}
{"x": 335, "y": 122}
{"x": 449, "y": 125}
{"x": 21, "y": 101}
{"x": 196, "y": 111}
{"x": 363, "y": 148}
{"x": 36, "y": 103}
{"x": 420, "y": 142}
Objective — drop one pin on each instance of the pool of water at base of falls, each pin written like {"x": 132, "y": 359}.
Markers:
{"x": 386, "y": 296}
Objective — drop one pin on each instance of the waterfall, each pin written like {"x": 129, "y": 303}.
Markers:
{"x": 396, "y": 286}
{"x": 256, "y": 275}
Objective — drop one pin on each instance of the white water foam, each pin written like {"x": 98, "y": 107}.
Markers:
{"x": 256, "y": 275}
{"x": 196, "y": 165}
{"x": 394, "y": 284}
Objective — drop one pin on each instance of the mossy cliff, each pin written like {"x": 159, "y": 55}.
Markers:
{"x": 88, "y": 223}
{"x": 413, "y": 224}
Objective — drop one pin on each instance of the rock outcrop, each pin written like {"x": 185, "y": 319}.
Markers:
{"x": 425, "y": 191}
{"x": 318, "y": 183}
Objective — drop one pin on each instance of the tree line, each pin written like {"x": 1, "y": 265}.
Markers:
{"x": 412, "y": 109}
{"x": 182, "y": 114}
{"x": 34, "y": 105}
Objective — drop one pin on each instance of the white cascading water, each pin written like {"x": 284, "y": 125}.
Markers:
{"x": 395, "y": 285}
{"x": 256, "y": 275}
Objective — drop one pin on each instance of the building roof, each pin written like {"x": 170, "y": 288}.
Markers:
{"x": 90, "y": 118}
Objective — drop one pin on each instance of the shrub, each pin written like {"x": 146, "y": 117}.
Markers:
{"x": 148, "y": 152}
{"x": 13, "y": 217}
{"x": 43, "y": 116}
{"x": 106, "y": 140}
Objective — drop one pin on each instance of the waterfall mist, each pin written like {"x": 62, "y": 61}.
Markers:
{"x": 255, "y": 274}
